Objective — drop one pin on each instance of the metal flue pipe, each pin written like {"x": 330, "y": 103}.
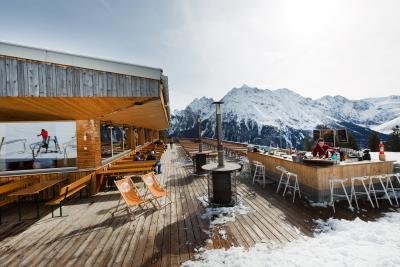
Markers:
{"x": 218, "y": 130}
{"x": 199, "y": 132}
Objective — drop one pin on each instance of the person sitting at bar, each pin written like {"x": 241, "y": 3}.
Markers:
{"x": 137, "y": 157}
{"x": 321, "y": 149}
{"x": 158, "y": 163}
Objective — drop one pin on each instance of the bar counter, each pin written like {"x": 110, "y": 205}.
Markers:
{"x": 314, "y": 180}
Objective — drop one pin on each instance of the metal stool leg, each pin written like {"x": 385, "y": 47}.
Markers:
{"x": 298, "y": 187}
{"x": 287, "y": 183}
{"x": 347, "y": 196}
{"x": 368, "y": 196}
{"x": 263, "y": 175}
{"x": 331, "y": 190}
{"x": 295, "y": 188}
{"x": 255, "y": 173}
{"x": 354, "y": 192}
{"x": 389, "y": 181}
{"x": 280, "y": 181}
{"x": 371, "y": 187}
{"x": 384, "y": 189}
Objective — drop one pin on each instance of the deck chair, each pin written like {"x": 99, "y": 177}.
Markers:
{"x": 153, "y": 186}
{"x": 130, "y": 194}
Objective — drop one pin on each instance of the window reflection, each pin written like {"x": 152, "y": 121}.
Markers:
{"x": 114, "y": 134}
{"x": 37, "y": 145}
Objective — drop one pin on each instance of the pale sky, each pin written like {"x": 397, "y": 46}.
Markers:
{"x": 313, "y": 47}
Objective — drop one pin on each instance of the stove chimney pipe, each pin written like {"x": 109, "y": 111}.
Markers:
{"x": 199, "y": 133}
{"x": 218, "y": 130}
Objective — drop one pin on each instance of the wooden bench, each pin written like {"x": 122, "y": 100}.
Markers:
{"x": 70, "y": 190}
{"x": 9, "y": 188}
{"x": 132, "y": 164}
{"x": 134, "y": 170}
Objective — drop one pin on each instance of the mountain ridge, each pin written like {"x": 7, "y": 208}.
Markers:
{"x": 262, "y": 112}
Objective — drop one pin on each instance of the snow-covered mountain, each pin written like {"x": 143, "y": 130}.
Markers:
{"x": 283, "y": 116}
{"x": 387, "y": 127}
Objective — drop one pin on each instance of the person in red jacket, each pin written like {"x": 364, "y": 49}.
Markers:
{"x": 44, "y": 135}
{"x": 321, "y": 150}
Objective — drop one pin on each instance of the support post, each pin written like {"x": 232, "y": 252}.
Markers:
{"x": 123, "y": 138}
{"x": 141, "y": 136}
{"x": 111, "y": 140}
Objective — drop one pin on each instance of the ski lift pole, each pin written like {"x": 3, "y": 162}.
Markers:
{"x": 2, "y": 142}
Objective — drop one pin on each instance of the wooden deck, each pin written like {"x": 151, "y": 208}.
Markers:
{"x": 89, "y": 236}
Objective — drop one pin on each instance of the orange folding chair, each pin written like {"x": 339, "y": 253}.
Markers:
{"x": 130, "y": 194}
{"x": 155, "y": 189}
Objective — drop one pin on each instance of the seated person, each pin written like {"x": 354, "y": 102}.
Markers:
{"x": 137, "y": 157}
{"x": 157, "y": 142}
{"x": 321, "y": 150}
{"x": 158, "y": 164}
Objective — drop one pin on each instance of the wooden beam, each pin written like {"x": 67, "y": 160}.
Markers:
{"x": 88, "y": 144}
{"x": 141, "y": 136}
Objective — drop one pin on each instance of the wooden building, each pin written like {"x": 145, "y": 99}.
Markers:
{"x": 38, "y": 85}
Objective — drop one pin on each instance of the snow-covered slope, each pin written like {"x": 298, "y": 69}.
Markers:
{"x": 387, "y": 127}
{"x": 261, "y": 115}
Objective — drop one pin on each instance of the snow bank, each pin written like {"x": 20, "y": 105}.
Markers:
{"x": 389, "y": 156}
{"x": 336, "y": 243}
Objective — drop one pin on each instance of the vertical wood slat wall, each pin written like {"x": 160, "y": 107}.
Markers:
{"x": 21, "y": 77}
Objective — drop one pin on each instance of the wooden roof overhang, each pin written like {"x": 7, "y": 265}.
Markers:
{"x": 43, "y": 85}
{"x": 144, "y": 112}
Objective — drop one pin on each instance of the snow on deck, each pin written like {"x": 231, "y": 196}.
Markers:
{"x": 336, "y": 243}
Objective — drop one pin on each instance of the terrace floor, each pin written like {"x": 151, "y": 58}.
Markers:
{"x": 88, "y": 235}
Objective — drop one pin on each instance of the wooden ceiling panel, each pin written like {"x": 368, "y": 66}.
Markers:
{"x": 150, "y": 115}
{"x": 138, "y": 111}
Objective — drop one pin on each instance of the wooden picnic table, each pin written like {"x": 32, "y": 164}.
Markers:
{"x": 34, "y": 190}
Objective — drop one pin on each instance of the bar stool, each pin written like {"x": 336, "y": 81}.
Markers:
{"x": 362, "y": 179}
{"x": 380, "y": 178}
{"x": 283, "y": 173}
{"x": 295, "y": 187}
{"x": 285, "y": 178}
{"x": 335, "y": 196}
{"x": 259, "y": 173}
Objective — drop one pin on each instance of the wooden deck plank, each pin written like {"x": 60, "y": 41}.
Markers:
{"x": 68, "y": 239}
{"x": 90, "y": 236}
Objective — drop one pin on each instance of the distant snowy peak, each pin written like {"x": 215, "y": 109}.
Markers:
{"x": 269, "y": 107}
{"x": 387, "y": 127}
{"x": 201, "y": 105}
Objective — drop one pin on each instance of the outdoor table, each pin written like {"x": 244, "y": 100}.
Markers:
{"x": 34, "y": 190}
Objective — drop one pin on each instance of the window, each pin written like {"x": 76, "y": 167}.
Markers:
{"x": 118, "y": 136}
{"x": 37, "y": 145}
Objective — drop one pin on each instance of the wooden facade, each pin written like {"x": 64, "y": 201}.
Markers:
{"x": 20, "y": 77}
{"x": 42, "y": 85}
